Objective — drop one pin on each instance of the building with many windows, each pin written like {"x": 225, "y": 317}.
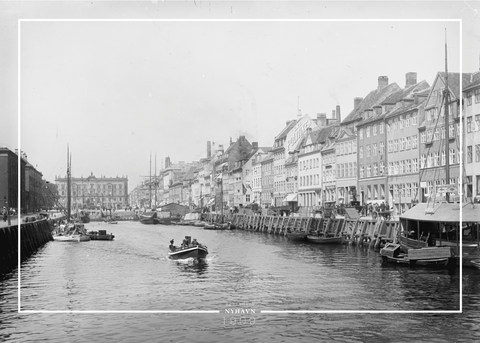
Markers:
{"x": 471, "y": 126}
{"x": 438, "y": 143}
{"x": 94, "y": 193}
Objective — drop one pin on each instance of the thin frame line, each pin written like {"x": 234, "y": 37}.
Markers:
{"x": 228, "y": 20}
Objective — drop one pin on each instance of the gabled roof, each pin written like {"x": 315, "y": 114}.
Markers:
{"x": 344, "y": 132}
{"x": 454, "y": 81}
{"x": 373, "y": 98}
{"x": 474, "y": 82}
{"x": 286, "y": 129}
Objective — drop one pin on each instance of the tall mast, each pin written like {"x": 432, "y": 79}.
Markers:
{"x": 446, "y": 101}
{"x": 150, "y": 183}
{"x": 155, "y": 180}
{"x": 68, "y": 185}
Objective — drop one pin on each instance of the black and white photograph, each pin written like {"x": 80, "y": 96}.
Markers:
{"x": 248, "y": 171}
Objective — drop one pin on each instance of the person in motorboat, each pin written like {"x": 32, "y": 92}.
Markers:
{"x": 194, "y": 242}
{"x": 171, "y": 246}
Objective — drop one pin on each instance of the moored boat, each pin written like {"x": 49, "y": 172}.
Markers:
{"x": 391, "y": 253}
{"x": 101, "y": 235}
{"x": 217, "y": 226}
{"x": 297, "y": 235}
{"x": 475, "y": 263}
{"x": 188, "y": 249}
{"x": 148, "y": 217}
{"x": 72, "y": 232}
{"x": 326, "y": 240}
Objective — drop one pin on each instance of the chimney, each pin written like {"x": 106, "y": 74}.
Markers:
{"x": 209, "y": 149}
{"x": 220, "y": 148}
{"x": 339, "y": 118}
{"x": 382, "y": 82}
{"x": 231, "y": 142}
{"x": 356, "y": 102}
{"x": 333, "y": 114}
{"x": 321, "y": 119}
{"x": 410, "y": 79}
{"x": 299, "y": 114}
{"x": 255, "y": 145}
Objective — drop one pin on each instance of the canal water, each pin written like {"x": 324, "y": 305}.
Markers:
{"x": 253, "y": 287}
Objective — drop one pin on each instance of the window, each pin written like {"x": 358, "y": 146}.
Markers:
{"x": 382, "y": 127}
{"x": 390, "y": 146}
{"x": 477, "y": 121}
{"x": 360, "y": 133}
{"x": 423, "y": 160}
{"x": 400, "y": 123}
{"x": 469, "y": 98}
{"x": 361, "y": 170}
{"x": 477, "y": 153}
{"x": 360, "y": 152}
{"x": 369, "y": 169}
{"x": 444, "y": 161}
{"x": 436, "y": 135}
{"x": 395, "y": 145}
{"x": 408, "y": 166}
{"x": 374, "y": 149}
{"x": 436, "y": 159}
{"x": 382, "y": 147}
{"x": 414, "y": 119}
{"x": 451, "y": 131}
{"x": 477, "y": 95}
{"x": 423, "y": 137}
{"x": 414, "y": 142}
{"x": 408, "y": 143}
{"x": 429, "y": 136}
{"x": 452, "y": 156}
{"x": 368, "y": 150}
{"x": 402, "y": 167}
{"x": 390, "y": 168}
{"x": 368, "y": 131}
{"x": 382, "y": 167}
{"x": 414, "y": 165}
{"x": 375, "y": 169}
{"x": 469, "y": 154}
{"x": 469, "y": 124}
{"x": 396, "y": 168}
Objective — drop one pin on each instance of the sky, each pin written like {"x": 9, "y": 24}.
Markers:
{"x": 122, "y": 92}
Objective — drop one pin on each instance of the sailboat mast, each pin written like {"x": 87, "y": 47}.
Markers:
{"x": 446, "y": 102}
{"x": 68, "y": 186}
{"x": 155, "y": 178}
{"x": 150, "y": 182}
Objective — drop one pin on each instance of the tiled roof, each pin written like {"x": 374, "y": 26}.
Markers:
{"x": 286, "y": 129}
{"x": 454, "y": 81}
{"x": 396, "y": 98}
{"x": 375, "y": 97}
{"x": 474, "y": 82}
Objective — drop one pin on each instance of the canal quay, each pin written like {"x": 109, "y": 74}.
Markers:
{"x": 254, "y": 285}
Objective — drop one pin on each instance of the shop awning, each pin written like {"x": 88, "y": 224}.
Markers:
{"x": 290, "y": 197}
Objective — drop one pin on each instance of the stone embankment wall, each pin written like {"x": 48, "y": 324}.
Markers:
{"x": 33, "y": 235}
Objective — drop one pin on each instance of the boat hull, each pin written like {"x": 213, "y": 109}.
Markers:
{"x": 225, "y": 226}
{"x": 326, "y": 240}
{"x": 196, "y": 252}
{"x": 68, "y": 238}
{"x": 297, "y": 236}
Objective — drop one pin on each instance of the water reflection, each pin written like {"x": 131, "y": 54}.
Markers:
{"x": 192, "y": 266}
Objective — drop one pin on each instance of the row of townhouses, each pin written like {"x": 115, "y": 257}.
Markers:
{"x": 394, "y": 146}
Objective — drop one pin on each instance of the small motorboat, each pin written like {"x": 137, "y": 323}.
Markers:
{"x": 188, "y": 249}
{"x": 101, "y": 235}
